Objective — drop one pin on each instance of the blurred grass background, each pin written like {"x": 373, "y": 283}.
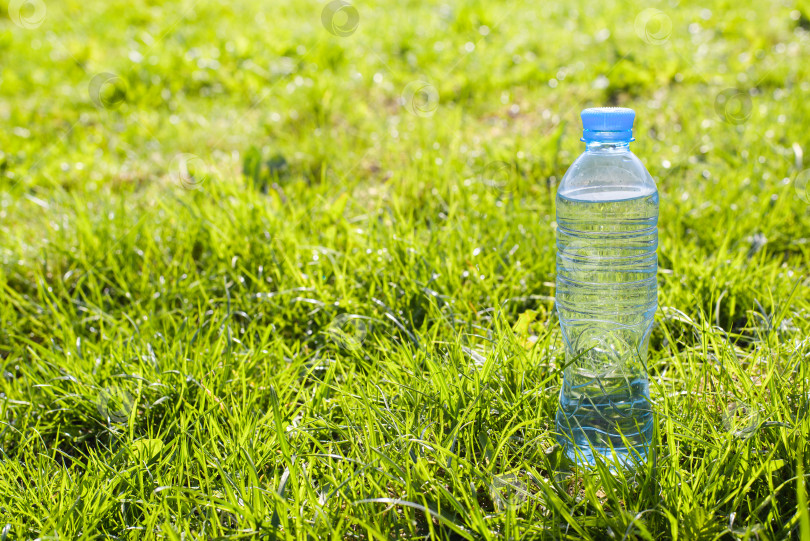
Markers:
{"x": 287, "y": 269}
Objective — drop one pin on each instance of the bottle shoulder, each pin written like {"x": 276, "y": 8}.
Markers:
{"x": 606, "y": 172}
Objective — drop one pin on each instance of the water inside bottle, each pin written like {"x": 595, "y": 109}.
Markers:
{"x": 606, "y": 299}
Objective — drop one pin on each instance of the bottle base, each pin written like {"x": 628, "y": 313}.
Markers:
{"x": 627, "y": 458}
{"x": 617, "y": 427}
{"x": 583, "y": 445}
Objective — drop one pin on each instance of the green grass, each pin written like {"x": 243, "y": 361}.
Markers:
{"x": 337, "y": 320}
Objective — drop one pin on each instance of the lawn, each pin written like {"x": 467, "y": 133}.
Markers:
{"x": 286, "y": 269}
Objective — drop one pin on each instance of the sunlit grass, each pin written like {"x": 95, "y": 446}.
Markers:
{"x": 264, "y": 284}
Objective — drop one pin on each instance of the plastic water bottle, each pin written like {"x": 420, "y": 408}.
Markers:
{"x": 607, "y": 218}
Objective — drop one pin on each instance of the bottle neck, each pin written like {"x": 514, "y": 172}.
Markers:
{"x": 607, "y": 146}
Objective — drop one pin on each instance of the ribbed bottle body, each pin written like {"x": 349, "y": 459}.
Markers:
{"x": 606, "y": 297}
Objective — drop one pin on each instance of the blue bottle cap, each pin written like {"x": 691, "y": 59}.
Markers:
{"x": 608, "y": 124}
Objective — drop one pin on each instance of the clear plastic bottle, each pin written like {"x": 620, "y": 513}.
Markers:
{"x": 606, "y": 295}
